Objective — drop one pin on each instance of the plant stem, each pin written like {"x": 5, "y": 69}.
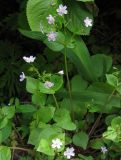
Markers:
{"x": 68, "y": 82}
{"x": 56, "y": 103}
{"x": 19, "y": 148}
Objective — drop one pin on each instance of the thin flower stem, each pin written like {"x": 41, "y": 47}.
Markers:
{"x": 68, "y": 82}
{"x": 19, "y": 148}
{"x": 56, "y": 103}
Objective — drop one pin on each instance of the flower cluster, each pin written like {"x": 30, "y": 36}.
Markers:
{"x": 57, "y": 144}
{"x": 62, "y": 10}
{"x": 51, "y": 20}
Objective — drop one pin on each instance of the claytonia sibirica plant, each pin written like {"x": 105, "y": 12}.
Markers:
{"x": 29, "y": 59}
{"x": 22, "y": 77}
{"x": 56, "y": 143}
{"x": 88, "y": 22}
{"x": 69, "y": 153}
{"x": 67, "y": 109}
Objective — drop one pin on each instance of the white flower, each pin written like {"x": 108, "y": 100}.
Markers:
{"x": 29, "y": 59}
{"x": 22, "y": 77}
{"x": 62, "y": 10}
{"x": 69, "y": 153}
{"x": 88, "y": 22}
{"x": 50, "y": 19}
{"x": 52, "y": 36}
{"x": 61, "y": 72}
{"x": 48, "y": 84}
{"x": 104, "y": 150}
{"x": 56, "y": 143}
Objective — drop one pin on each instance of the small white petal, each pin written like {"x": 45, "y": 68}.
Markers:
{"x": 104, "y": 150}
{"x": 56, "y": 143}
{"x": 69, "y": 153}
{"x": 22, "y": 77}
{"x": 29, "y": 59}
{"x": 51, "y": 19}
{"x": 61, "y": 72}
{"x": 88, "y": 22}
{"x": 48, "y": 84}
{"x": 62, "y": 10}
{"x": 52, "y": 36}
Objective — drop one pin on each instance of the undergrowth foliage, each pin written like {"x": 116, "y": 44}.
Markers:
{"x": 69, "y": 117}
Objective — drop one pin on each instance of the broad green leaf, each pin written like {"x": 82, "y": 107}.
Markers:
{"x": 8, "y": 111}
{"x": 81, "y": 139}
{"x": 38, "y": 11}
{"x": 44, "y": 114}
{"x": 32, "y": 85}
{"x": 3, "y": 122}
{"x": 5, "y": 153}
{"x": 5, "y": 132}
{"x": 26, "y": 108}
{"x": 75, "y": 18}
{"x": 103, "y": 62}
{"x": 63, "y": 119}
{"x": 79, "y": 55}
{"x": 39, "y": 99}
{"x": 112, "y": 80}
{"x": 78, "y": 84}
{"x": 32, "y": 34}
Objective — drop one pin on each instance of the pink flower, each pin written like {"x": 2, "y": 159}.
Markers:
{"x": 62, "y": 10}
{"x": 50, "y": 19}
{"x": 52, "y": 36}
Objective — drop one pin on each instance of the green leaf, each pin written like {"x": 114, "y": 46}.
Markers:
{"x": 39, "y": 99}
{"x": 81, "y": 139}
{"x": 63, "y": 119}
{"x": 8, "y": 111}
{"x": 5, "y": 132}
{"x": 32, "y": 85}
{"x": 75, "y": 18}
{"x": 26, "y": 108}
{"x": 79, "y": 55}
{"x": 112, "y": 80}
{"x": 103, "y": 62}
{"x": 78, "y": 84}
{"x": 32, "y": 34}
{"x": 5, "y": 153}
{"x": 48, "y": 113}
{"x": 37, "y": 11}
{"x": 3, "y": 122}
